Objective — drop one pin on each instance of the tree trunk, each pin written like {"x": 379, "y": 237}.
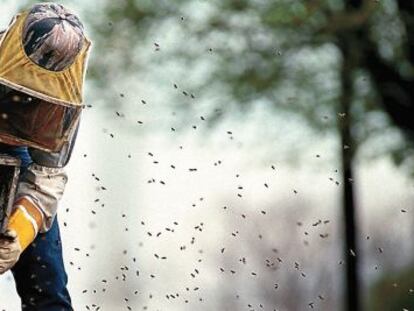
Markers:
{"x": 352, "y": 289}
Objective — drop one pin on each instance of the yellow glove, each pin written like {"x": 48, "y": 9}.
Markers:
{"x": 25, "y": 220}
{"x": 10, "y": 250}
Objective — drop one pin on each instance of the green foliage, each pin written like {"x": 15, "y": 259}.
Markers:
{"x": 393, "y": 292}
{"x": 282, "y": 53}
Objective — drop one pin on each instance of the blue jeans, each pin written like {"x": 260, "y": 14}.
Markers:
{"x": 40, "y": 273}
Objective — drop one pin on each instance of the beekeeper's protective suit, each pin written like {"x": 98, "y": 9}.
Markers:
{"x": 43, "y": 55}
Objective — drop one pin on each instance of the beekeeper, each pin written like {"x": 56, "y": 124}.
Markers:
{"x": 43, "y": 59}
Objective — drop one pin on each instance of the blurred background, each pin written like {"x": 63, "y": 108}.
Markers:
{"x": 241, "y": 155}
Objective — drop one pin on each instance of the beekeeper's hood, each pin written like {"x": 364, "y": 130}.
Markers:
{"x": 43, "y": 56}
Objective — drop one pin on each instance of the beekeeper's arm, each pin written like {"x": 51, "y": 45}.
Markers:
{"x": 39, "y": 192}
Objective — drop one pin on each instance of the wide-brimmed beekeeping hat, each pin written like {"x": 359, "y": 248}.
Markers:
{"x": 43, "y": 59}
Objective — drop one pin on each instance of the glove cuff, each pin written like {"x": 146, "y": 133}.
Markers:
{"x": 25, "y": 220}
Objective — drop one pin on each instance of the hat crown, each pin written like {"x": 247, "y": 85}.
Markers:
{"x": 52, "y": 36}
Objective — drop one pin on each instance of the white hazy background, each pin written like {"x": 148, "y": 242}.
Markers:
{"x": 101, "y": 242}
